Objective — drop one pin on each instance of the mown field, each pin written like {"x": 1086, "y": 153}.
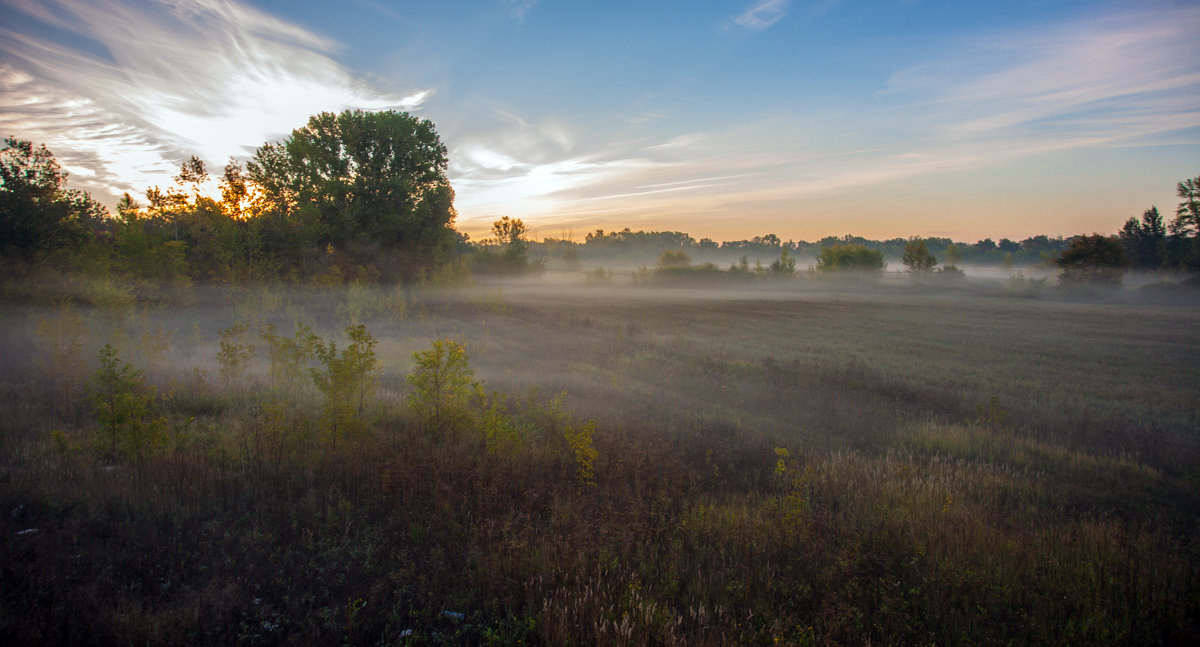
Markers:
{"x": 795, "y": 463}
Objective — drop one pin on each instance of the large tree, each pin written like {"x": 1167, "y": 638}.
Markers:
{"x": 360, "y": 181}
{"x": 37, "y": 212}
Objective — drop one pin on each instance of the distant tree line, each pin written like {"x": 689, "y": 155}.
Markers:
{"x": 639, "y": 245}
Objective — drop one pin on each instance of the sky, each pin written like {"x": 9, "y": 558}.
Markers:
{"x": 728, "y": 120}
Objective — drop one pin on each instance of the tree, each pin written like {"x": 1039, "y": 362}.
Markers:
{"x": 674, "y": 259}
{"x": 1144, "y": 240}
{"x": 848, "y": 257}
{"x": 953, "y": 255}
{"x": 510, "y": 232}
{"x": 443, "y": 385}
{"x": 1182, "y": 247}
{"x": 361, "y": 181}
{"x": 917, "y": 257}
{"x": 785, "y": 265}
{"x": 1095, "y": 259}
{"x": 37, "y": 212}
{"x": 1188, "y": 212}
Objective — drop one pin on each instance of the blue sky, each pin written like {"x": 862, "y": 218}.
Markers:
{"x": 731, "y": 119}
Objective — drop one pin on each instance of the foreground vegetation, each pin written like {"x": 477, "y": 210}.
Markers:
{"x": 596, "y": 465}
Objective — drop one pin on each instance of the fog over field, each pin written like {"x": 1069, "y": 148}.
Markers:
{"x": 511, "y": 322}
{"x": 655, "y": 462}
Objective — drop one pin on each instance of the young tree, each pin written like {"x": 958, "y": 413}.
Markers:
{"x": 443, "y": 385}
{"x": 917, "y": 257}
{"x": 1095, "y": 259}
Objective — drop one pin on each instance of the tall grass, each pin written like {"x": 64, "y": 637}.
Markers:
{"x": 795, "y": 468}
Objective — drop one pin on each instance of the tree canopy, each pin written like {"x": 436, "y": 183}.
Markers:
{"x": 37, "y": 212}
{"x": 1096, "y": 259}
{"x": 847, "y": 257}
{"x": 360, "y": 181}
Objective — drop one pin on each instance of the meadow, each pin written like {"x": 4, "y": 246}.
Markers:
{"x": 570, "y": 462}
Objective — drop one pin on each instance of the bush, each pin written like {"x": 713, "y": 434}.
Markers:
{"x": 124, "y": 406}
{"x": 846, "y": 257}
{"x": 443, "y": 385}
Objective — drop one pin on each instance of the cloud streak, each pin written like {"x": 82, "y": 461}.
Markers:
{"x": 1109, "y": 82}
{"x": 761, "y": 15}
{"x": 141, "y": 85}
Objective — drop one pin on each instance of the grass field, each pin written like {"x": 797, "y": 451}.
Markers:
{"x": 799, "y": 463}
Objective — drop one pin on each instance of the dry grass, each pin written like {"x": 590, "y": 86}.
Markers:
{"x": 967, "y": 470}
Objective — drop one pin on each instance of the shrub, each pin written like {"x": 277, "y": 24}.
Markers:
{"x": 443, "y": 385}
{"x": 670, "y": 259}
{"x": 846, "y": 257}
{"x": 124, "y": 406}
{"x": 347, "y": 380}
{"x": 785, "y": 265}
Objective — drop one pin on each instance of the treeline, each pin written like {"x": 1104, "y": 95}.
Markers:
{"x": 365, "y": 196}
{"x": 635, "y": 245}
{"x": 350, "y": 195}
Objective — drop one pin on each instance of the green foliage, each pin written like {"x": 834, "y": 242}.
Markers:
{"x": 917, "y": 258}
{"x": 785, "y": 265}
{"x": 794, "y": 501}
{"x": 361, "y": 181}
{"x": 1182, "y": 246}
{"x": 848, "y": 257}
{"x": 236, "y": 351}
{"x": 1144, "y": 241}
{"x": 510, "y": 233}
{"x": 992, "y": 416}
{"x": 581, "y": 440}
{"x": 38, "y": 213}
{"x": 674, "y": 259}
{"x": 365, "y": 301}
{"x": 289, "y": 357}
{"x": 348, "y": 379}
{"x": 1094, "y": 259}
{"x": 598, "y": 276}
{"x": 61, "y": 336}
{"x": 443, "y": 385}
{"x": 125, "y": 408}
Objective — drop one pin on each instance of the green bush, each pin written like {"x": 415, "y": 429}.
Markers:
{"x": 125, "y": 408}
{"x": 846, "y": 257}
{"x": 443, "y": 385}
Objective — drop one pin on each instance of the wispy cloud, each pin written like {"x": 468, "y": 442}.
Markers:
{"x": 1089, "y": 85}
{"x": 138, "y": 86}
{"x": 1119, "y": 76}
{"x": 761, "y": 15}
{"x": 519, "y": 8}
